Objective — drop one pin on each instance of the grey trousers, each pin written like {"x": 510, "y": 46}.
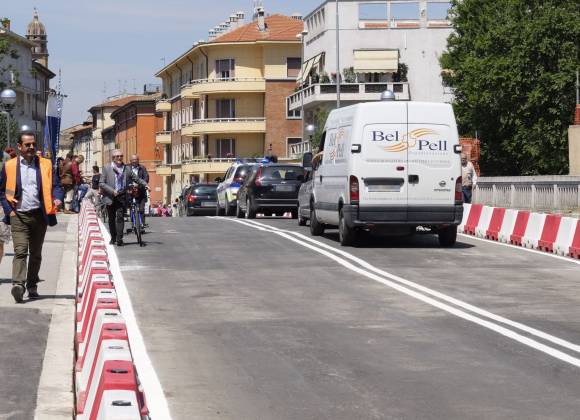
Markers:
{"x": 28, "y": 230}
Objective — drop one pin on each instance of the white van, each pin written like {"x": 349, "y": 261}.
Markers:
{"x": 388, "y": 166}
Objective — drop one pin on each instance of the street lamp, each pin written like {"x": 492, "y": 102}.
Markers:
{"x": 8, "y": 100}
{"x": 310, "y": 129}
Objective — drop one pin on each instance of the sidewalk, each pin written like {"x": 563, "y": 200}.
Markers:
{"x": 36, "y": 378}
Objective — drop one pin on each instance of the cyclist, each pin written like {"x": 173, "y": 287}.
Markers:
{"x": 141, "y": 172}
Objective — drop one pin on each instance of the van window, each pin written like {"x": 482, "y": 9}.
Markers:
{"x": 322, "y": 141}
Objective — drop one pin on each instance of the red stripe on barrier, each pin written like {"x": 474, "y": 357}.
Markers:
{"x": 110, "y": 331}
{"x": 473, "y": 219}
{"x": 520, "y": 228}
{"x": 89, "y": 319}
{"x": 495, "y": 224}
{"x": 549, "y": 233}
{"x": 88, "y": 299}
{"x": 575, "y": 248}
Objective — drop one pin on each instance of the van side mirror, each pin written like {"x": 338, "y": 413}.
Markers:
{"x": 355, "y": 148}
{"x": 457, "y": 149}
{"x": 307, "y": 160}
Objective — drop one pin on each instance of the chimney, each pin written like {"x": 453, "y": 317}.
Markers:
{"x": 225, "y": 27}
{"x": 241, "y": 18}
{"x": 6, "y": 24}
{"x": 296, "y": 16}
{"x": 261, "y": 19}
{"x": 233, "y": 21}
{"x": 211, "y": 35}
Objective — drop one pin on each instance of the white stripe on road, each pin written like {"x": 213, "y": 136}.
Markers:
{"x": 439, "y": 295}
{"x": 155, "y": 398}
{"x": 395, "y": 281}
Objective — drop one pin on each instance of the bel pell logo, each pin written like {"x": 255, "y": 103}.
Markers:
{"x": 421, "y": 139}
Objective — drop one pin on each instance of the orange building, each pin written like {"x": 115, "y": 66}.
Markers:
{"x": 135, "y": 127}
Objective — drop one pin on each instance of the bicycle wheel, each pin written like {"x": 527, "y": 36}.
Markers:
{"x": 137, "y": 226}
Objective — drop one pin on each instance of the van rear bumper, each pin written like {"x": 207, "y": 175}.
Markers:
{"x": 357, "y": 216}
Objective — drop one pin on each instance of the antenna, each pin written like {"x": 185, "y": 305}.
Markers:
{"x": 104, "y": 91}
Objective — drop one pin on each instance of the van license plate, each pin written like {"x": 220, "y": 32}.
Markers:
{"x": 384, "y": 188}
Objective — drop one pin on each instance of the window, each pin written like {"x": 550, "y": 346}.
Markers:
{"x": 287, "y": 173}
{"x": 292, "y": 115}
{"x": 438, "y": 11}
{"x": 372, "y": 11}
{"x": 293, "y": 65}
{"x": 226, "y": 148}
{"x": 225, "y": 108}
{"x": 405, "y": 11}
{"x": 225, "y": 69}
{"x": 291, "y": 141}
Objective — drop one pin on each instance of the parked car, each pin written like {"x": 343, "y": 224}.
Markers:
{"x": 227, "y": 190}
{"x": 200, "y": 198}
{"x": 270, "y": 189}
{"x": 387, "y": 166}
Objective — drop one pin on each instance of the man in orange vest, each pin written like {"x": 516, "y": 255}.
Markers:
{"x": 29, "y": 195}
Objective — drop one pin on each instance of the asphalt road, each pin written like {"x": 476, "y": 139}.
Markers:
{"x": 242, "y": 322}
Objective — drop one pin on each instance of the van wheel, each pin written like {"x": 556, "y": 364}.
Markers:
{"x": 346, "y": 234}
{"x": 316, "y": 228}
{"x": 448, "y": 236}
{"x": 239, "y": 213}
{"x": 250, "y": 213}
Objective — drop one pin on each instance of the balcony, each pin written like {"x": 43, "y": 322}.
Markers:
{"x": 196, "y": 88}
{"x": 349, "y": 92}
{"x": 224, "y": 126}
{"x": 162, "y": 106}
{"x": 163, "y": 170}
{"x": 207, "y": 166}
{"x": 163, "y": 137}
{"x": 298, "y": 149}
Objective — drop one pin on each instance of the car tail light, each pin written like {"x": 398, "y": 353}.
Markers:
{"x": 459, "y": 189}
{"x": 238, "y": 180}
{"x": 353, "y": 188}
{"x": 258, "y": 178}
{"x": 191, "y": 198}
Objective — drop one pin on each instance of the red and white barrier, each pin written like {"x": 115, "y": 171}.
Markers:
{"x": 106, "y": 383}
{"x": 546, "y": 232}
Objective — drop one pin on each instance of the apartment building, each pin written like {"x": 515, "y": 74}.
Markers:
{"x": 226, "y": 98}
{"x": 135, "y": 127}
{"x": 392, "y": 45}
{"x": 82, "y": 144}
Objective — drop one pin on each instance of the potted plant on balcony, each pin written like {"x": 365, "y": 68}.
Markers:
{"x": 324, "y": 78}
{"x": 349, "y": 75}
{"x": 230, "y": 155}
{"x": 208, "y": 157}
{"x": 401, "y": 74}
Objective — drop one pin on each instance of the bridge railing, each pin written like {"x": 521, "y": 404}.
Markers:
{"x": 536, "y": 193}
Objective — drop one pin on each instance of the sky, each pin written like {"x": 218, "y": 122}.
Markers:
{"x": 103, "y": 47}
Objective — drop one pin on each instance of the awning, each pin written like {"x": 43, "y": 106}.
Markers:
{"x": 376, "y": 61}
{"x": 307, "y": 67}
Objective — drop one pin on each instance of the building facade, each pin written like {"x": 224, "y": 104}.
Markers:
{"x": 226, "y": 98}
{"x": 392, "y": 45}
{"x": 136, "y": 125}
{"x": 82, "y": 145}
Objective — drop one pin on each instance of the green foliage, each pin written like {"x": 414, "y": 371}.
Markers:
{"x": 349, "y": 75}
{"x": 7, "y": 50}
{"x": 512, "y": 66}
{"x": 324, "y": 77}
{"x": 4, "y": 133}
{"x": 401, "y": 74}
{"x": 320, "y": 116}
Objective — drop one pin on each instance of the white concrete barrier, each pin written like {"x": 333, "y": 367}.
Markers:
{"x": 565, "y": 236}
{"x": 507, "y": 226}
{"x": 534, "y": 230}
{"x": 466, "y": 209}
{"x": 484, "y": 221}
{"x": 119, "y": 405}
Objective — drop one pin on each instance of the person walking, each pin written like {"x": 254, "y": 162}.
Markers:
{"x": 468, "y": 177}
{"x": 115, "y": 179}
{"x": 93, "y": 193}
{"x": 67, "y": 181}
{"x": 140, "y": 171}
{"x": 29, "y": 195}
{"x": 77, "y": 181}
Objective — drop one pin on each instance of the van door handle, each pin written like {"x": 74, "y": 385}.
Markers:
{"x": 413, "y": 179}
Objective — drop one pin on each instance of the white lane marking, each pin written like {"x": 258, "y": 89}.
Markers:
{"x": 419, "y": 296}
{"x": 521, "y": 248}
{"x": 155, "y": 398}
{"x": 439, "y": 295}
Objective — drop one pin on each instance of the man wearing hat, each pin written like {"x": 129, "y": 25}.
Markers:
{"x": 29, "y": 195}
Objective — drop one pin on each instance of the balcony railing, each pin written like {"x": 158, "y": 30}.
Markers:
{"x": 355, "y": 92}
{"x": 206, "y": 165}
{"x": 224, "y": 125}
{"x": 298, "y": 149}
{"x": 162, "y": 105}
{"x": 231, "y": 85}
{"x": 163, "y": 137}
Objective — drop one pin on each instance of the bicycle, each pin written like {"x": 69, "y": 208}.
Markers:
{"x": 134, "y": 214}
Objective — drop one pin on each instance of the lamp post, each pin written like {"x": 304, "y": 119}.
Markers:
{"x": 302, "y": 36}
{"x": 8, "y": 100}
{"x": 337, "y": 59}
{"x": 310, "y": 129}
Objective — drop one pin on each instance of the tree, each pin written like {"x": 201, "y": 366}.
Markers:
{"x": 320, "y": 116}
{"x": 6, "y": 50}
{"x": 512, "y": 67}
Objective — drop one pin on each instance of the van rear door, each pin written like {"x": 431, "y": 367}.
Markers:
{"x": 433, "y": 163}
{"x": 382, "y": 168}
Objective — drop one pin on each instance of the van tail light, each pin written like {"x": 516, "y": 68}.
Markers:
{"x": 459, "y": 189}
{"x": 353, "y": 188}
{"x": 191, "y": 198}
{"x": 259, "y": 178}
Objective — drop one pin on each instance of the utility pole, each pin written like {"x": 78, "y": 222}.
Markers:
{"x": 337, "y": 59}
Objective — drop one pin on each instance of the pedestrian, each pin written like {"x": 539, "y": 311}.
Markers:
{"x": 468, "y": 177}
{"x": 114, "y": 181}
{"x": 93, "y": 193}
{"x": 141, "y": 172}
{"x": 67, "y": 181}
{"x": 4, "y": 228}
{"x": 77, "y": 181}
{"x": 175, "y": 209}
{"x": 29, "y": 195}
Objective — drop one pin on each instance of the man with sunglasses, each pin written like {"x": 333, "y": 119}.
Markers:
{"x": 115, "y": 179}
{"x": 30, "y": 195}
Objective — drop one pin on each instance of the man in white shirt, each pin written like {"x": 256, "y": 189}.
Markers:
{"x": 468, "y": 178}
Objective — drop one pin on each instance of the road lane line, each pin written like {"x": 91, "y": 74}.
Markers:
{"x": 482, "y": 312}
{"x": 419, "y": 296}
{"x": 155, "y": 398}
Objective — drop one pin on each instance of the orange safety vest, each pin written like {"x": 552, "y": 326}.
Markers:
{"x": 45, "y": 175}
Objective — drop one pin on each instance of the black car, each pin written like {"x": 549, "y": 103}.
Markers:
{"x": 200, "y": 198}
{"x": 270, "y": 189}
